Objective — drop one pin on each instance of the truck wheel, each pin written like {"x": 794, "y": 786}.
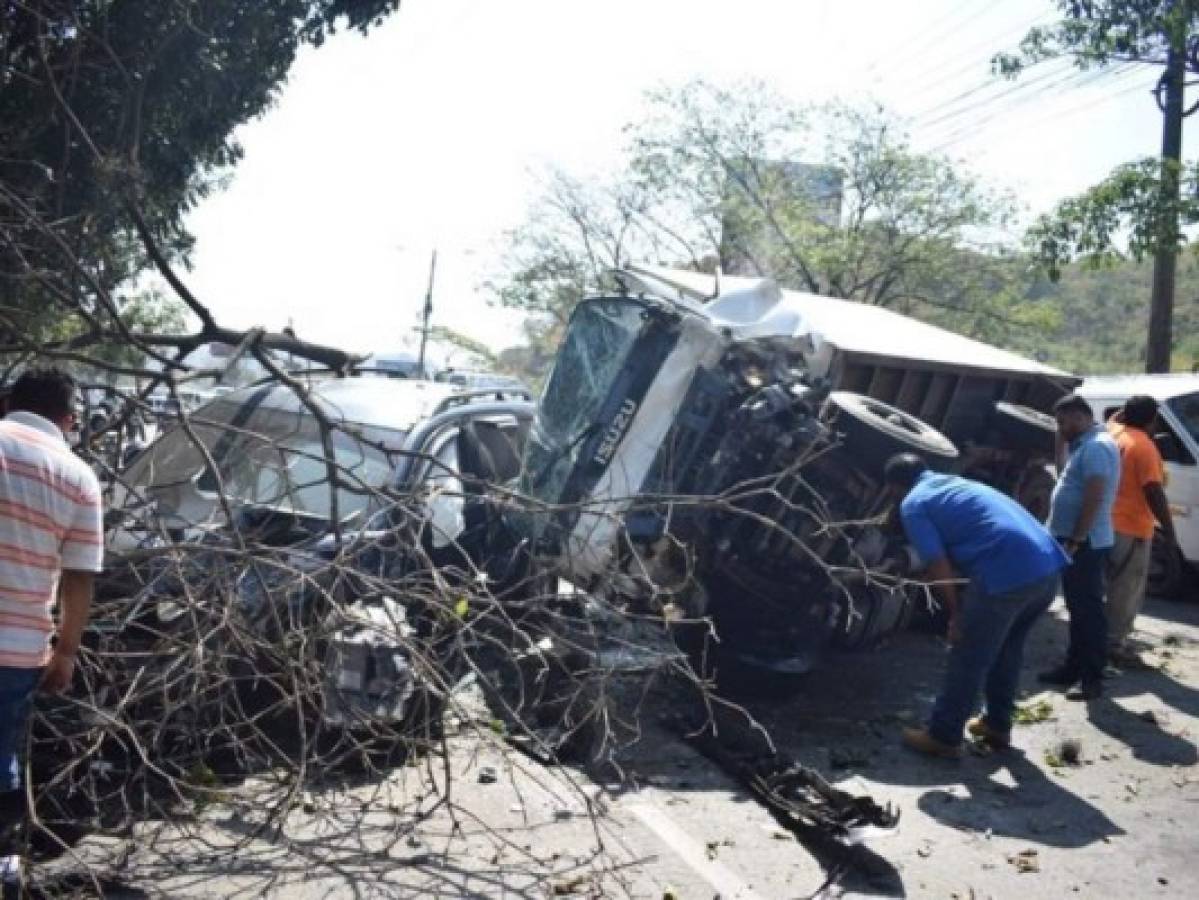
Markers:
{"x": 1023, "y": 428}
{"x": 1167, "y": 569}
{"x": 872, "y": 432}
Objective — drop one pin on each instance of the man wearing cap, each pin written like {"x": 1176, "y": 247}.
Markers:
{"x": 1080, "y": 517}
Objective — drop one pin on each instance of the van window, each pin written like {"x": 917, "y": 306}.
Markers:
{"x": 1186, "y": 410}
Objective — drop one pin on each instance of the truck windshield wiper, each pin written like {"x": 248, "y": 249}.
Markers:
{"x": 562, "y": 451}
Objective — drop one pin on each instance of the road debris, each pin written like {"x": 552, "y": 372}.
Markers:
{"x": 1026, "y": 861}
{"x": 1036, "y": 709}
{"x": 797, "y": 796}
{"x": 1066, "y": 752}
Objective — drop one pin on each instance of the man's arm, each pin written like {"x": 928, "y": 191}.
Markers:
{"x": 943, "y": 581}
{"x": 925, "y": 537}
{"x": 75, "y": 601}
{"x": 1092, "y": 498}
{"x": 1155, "y": 496}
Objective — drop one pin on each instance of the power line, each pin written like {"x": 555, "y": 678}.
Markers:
{"x": 956, "y": 131}
{"x": 1011, "y": 100}
{"x": 905, "y": 48}
{"x": 1091, "y": 104}
{"x": 990, "y": 83}
{"x": 930, "y": 77}
{"x": 961, "y": 132}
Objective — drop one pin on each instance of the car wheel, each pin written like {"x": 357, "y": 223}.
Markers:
{"x": 1023, "y": 428}
{"x": 872, "y": 432}
{"x": 1167, "y": 569}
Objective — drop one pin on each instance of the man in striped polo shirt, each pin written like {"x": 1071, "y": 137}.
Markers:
{"x": 51, "y": 544}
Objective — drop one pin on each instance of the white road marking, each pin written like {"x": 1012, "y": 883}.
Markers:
{"x": 723, "y": 879}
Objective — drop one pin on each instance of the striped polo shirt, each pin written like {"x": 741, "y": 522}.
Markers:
{"x": 50, "y": 520}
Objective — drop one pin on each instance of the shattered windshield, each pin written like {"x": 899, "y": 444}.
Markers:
{"x": 274, "y": 458}
{"x": 597, "y": 343}
{"x": 1186, "y": 408}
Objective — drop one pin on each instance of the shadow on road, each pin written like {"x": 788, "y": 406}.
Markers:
{"x": 1035, "y": 807}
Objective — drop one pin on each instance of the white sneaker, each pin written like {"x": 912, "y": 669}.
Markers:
{"x": 10, "y": 869}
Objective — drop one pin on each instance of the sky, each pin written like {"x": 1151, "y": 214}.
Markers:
{"x": 432, "y": 130}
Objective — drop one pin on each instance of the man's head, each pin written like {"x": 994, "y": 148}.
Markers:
{"x": 49, "y": 393}
{"x": 1139, "y": 411}
{"x": 1074, "y": 416}
{"x": 901, "y": 473}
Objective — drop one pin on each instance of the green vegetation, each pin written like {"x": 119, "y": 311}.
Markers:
{"x": 116, "y": 111}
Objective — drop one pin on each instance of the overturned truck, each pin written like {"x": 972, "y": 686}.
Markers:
{"x": 713, "y": 452}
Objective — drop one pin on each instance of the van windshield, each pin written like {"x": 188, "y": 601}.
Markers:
{"x": 1186, "y": 408}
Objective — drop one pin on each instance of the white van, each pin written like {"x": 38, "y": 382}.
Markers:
{"x": 1177, "y": 437}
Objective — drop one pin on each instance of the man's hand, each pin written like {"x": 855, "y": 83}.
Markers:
{"x": 56, "y": 677}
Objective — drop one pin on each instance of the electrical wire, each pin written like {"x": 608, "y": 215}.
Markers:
{"x": 904, "y": 49}
{"x": 1008, "y": 87}
{"x": 932, "y": 77}
{"x": 1124, "y": 86}
{"x": 981, "y": 113}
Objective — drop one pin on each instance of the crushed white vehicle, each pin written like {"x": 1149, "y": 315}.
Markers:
{"x": 712, "y": 450}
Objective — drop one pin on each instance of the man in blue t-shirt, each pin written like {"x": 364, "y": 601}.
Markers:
{"x": 962, "y": 529}
{"x": 1080, "y": 516}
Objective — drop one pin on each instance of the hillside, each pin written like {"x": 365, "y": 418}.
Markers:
{"x": 1097, "y": 319}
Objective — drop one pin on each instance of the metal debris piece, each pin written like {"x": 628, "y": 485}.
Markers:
{"x": 798, "y": 797}
{"x": 1026, "y": 861}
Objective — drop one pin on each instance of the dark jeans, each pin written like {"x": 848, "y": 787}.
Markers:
{"x": 1084, "y": 584}
{"x": 988, "y": 657}
{"x": 16, "y": 691}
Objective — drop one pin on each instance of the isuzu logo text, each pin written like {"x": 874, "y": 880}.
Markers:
{"x": 615, "y": 431}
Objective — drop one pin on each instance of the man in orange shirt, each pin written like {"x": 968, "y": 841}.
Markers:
{"x": 1140, "y": 502}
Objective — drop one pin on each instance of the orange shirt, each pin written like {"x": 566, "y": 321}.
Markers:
{"x": 1140, "y": 464}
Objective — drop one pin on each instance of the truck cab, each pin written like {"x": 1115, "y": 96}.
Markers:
{"x": 713, "y": 449}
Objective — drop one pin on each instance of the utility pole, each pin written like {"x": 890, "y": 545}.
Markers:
{"x": 424, "y": 327}
{"x": 1161, "y": 305}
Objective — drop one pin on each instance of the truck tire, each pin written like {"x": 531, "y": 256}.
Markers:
{"x": 1023, "y": 428}
{"x": 872, "y": 432}
{"x": 1167, "y": 569}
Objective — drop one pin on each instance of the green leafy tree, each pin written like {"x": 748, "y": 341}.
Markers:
{"x": 1145, "y": 206}
{"x": 828, "y": 199}
{"x": 116, "y": 118}
{"x": 576, "y": 231}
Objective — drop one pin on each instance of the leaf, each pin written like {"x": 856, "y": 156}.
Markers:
{"x": 461, "y": 608}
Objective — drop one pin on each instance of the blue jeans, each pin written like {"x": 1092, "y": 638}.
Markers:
{"x": 988, "y": 657}
{"x": 16, "y": 691}
{"x": 1084, "y": 582}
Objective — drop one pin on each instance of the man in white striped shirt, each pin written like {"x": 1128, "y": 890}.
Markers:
{"x": 51, "y": 544}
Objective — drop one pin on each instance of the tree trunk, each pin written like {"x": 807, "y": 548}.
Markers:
{"x": 1161, "y": 304}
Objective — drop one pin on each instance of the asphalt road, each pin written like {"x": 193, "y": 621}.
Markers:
{"x": 1121, "y": 823}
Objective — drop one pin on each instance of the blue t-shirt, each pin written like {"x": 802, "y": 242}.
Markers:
{"x": 988, "y": 536}
{"x": 1092, "y": 454}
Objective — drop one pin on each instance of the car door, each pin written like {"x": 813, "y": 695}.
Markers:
{"x": 1180, "y": 452}
{"x": 471, "y": 464}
